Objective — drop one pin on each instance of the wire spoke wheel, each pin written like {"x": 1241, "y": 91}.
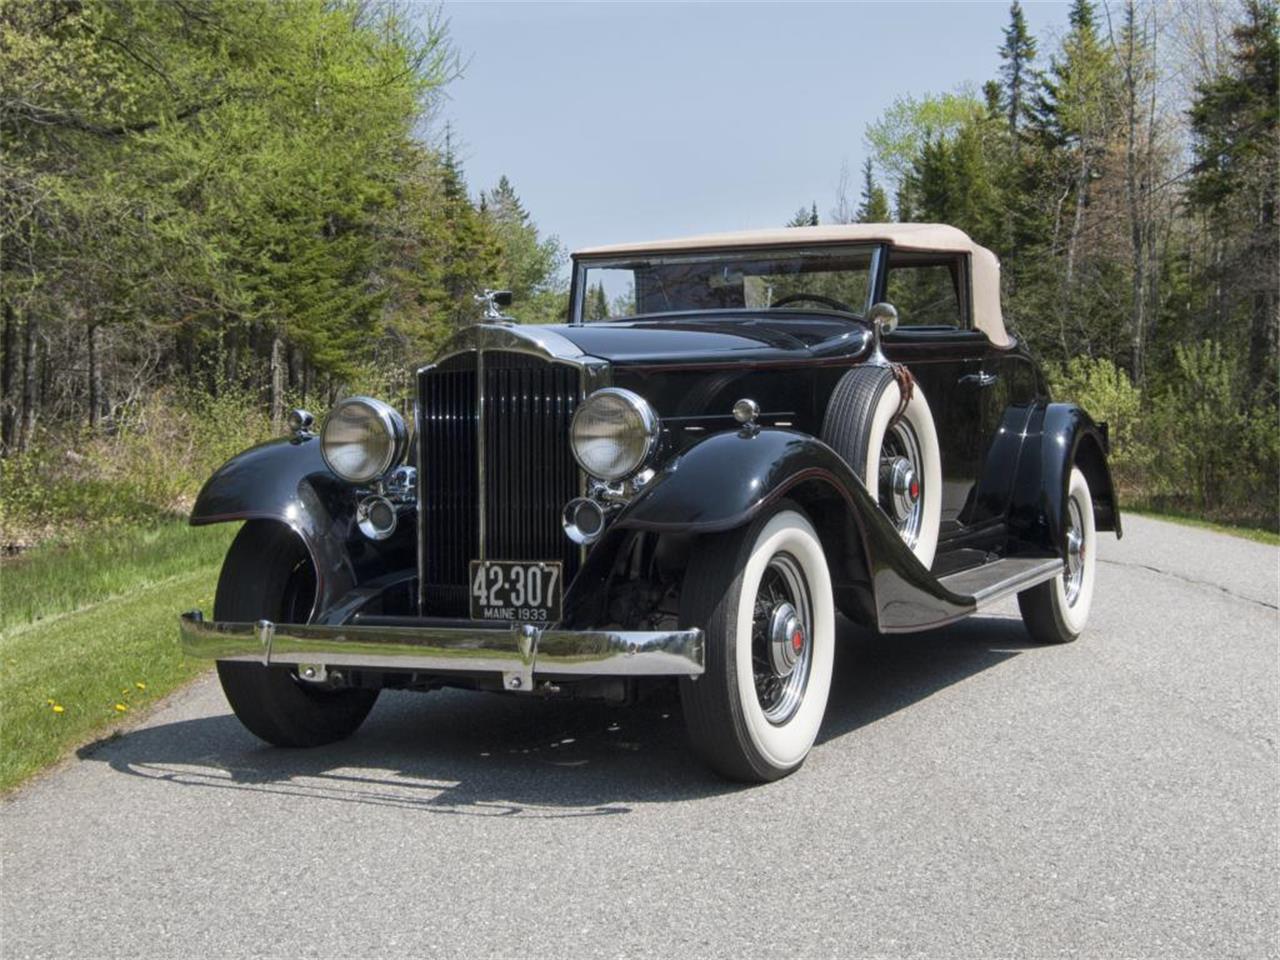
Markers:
{"x": 1056, "y": 611}
{"x": 781, "y": 651}
{"x": 1073, "y": 580}
{"x": 762, "y": 595}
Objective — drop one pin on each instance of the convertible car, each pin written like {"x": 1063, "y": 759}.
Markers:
{"x": 734, "y": 439}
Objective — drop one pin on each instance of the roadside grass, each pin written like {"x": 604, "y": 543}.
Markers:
{"x": 89, "y": 635}
{"x": 1256, "y": 534}
{"x": 61, "y": 576}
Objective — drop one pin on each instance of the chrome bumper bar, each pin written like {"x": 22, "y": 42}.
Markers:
{"x": 515, "y": 652}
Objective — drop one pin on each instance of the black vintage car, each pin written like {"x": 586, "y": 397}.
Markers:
{"x": 734, "y": 438}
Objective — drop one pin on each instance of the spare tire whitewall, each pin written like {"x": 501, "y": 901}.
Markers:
{"x": 863, "y": 426}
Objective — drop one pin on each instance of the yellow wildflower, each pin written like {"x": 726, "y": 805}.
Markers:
{"x": 121, "y": 708}
{"x": 57, "y": 708}
{"x": 140, "y": 685}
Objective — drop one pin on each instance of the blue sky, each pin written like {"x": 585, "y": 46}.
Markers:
{"x": 620, "y": 121}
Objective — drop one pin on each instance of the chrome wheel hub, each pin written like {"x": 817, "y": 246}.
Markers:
{"x": 902, "y": 487}
{"x": 901, "y": 483}
{"x": 781, "y": 632}
{"x": 787, "y": 639}
{"x": 1073, "y": 579}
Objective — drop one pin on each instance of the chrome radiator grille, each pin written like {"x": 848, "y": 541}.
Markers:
{"x": 495, "y": 468}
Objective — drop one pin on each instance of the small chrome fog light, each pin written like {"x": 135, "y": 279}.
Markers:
{"x": 583, "y": 520}
{"x": 746, "y": 411}
{"x": 300, "y": 422}
{"x": 376, "y": 517}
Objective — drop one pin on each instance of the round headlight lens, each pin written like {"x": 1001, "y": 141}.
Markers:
{"x": 613, "y": 433}
{"x": 362, "y": 439}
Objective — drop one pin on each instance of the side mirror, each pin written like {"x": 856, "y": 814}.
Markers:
{"x": 884, "y": 317}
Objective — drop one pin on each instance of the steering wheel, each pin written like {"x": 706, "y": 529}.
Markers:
{"x": 816, "y": 298}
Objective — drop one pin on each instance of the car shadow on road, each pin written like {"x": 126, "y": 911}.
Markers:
{"x": 467, "y": 754}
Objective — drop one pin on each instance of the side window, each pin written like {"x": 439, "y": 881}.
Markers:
{"x": 928, "y": 291}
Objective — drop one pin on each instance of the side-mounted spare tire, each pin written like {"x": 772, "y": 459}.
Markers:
{"x": 893, "y": 449}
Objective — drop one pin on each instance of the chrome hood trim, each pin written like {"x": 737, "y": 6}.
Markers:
{"x": 538, "y": 341}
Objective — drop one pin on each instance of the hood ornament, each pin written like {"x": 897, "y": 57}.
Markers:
{"x": 493, "y": 302}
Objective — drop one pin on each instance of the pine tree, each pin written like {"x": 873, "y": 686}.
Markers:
{"x": 465, "y": 255}
{"x": 1076, "y": 124}
{"x": 596, "y": 304}
{"x": 1236, "y": 142}
{"x": 955, "y": 181}
{"x": 1016, "y": 54}
{"x": 874, "y": 207}
{"x": 529, "y": 266}
{"x": 805, "y": 217}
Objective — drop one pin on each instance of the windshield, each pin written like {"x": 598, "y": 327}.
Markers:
{"x": 820, "y": 279}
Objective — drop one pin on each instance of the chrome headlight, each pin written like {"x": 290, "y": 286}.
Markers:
{"x": 613, "y": 433}
{"x": 362, "y": 439}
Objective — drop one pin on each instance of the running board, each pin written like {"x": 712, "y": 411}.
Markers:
{"x": 994, "y": 581}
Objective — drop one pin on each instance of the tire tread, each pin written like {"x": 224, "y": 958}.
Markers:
{"x": 269, "y": 701}
{"x": 849, "y": 413}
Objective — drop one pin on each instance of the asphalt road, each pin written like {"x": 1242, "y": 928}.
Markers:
{"x": 970, "y": 795}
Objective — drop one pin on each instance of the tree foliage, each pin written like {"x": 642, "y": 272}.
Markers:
{"x": 233, "y": 194}
{"x": 1119, "y": 259}
{"x": 805, "y": 217}
{"x": 873, "y": 206}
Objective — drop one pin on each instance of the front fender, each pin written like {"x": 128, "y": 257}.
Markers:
{"x": 287, "y": 480}
{"x": 1060, "y": 436}
{"x": 725, "y": 480}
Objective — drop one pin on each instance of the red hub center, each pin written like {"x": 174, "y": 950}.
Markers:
{"x": 797, "y": 640}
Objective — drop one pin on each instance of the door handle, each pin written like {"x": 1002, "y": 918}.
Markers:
{"x": 979, "y": 380}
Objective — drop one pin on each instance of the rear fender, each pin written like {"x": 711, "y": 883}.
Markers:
{"x": 1060, "y": 436}
{"x": 286, "y": 480}
{"x": 725, "y": 480}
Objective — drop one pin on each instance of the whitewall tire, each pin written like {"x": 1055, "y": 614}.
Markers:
{"x": 763, "y": 596}
{"x": 1056, "y": 611}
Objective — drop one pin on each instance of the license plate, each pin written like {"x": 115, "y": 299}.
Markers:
{"x": 516, "y": 591}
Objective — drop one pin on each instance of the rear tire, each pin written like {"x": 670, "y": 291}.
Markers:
{"x": 752, "y": 716}
{"x": 267, "y": 575}
{"x": 1056, "y": 611}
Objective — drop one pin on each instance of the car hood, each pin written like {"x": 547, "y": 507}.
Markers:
{"x": 696, "y": 340}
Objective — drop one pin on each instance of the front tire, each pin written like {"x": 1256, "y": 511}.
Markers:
{"x": 267, "y": 575}
{"x": 1056, "y": 611}
{"x": 763, "y": 596}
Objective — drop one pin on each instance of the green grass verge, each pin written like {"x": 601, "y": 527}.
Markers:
{"x": 58, "y": 577}
{"x": 101, "y": 643}
{"x": 1256, "y": 534}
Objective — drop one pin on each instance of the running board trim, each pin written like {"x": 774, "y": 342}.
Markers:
{"x": 993, "y": 582}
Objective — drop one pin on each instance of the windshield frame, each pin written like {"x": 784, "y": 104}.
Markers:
{"x": 582, "y": 264}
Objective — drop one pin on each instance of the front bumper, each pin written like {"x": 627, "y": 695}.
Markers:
{"x": 516, "y": 652}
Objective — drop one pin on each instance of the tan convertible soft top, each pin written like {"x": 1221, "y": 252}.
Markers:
{"x": 902, "y": 236}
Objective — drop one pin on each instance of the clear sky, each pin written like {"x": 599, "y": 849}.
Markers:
{"x": 621, "y": 121}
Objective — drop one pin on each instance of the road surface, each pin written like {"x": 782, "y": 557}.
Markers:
{"x": 970, "y": 795}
